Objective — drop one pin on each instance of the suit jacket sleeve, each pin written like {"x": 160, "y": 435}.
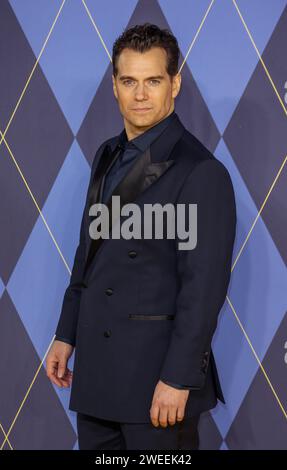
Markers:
{"x": 67, "y": 324}
{"x": 179, "y": 386}
{"x": 204, "y": 274}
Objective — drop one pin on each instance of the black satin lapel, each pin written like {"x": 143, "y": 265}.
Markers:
{"x": 154, "y": 171}
{"x": 106, "y": 160}
{"x": 141, "y": 176}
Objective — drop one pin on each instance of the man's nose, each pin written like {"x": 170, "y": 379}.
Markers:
{"x": 141, "y": 92}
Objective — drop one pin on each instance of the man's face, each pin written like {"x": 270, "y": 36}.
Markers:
{"x": 143, "y": 88}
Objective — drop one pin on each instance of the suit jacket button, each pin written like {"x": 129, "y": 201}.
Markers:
{"x": 107, "y": 333}
{"x": 109, "y": 291}
{"x": 132, "y": 254}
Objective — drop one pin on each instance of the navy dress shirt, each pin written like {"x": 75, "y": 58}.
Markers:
{"x": 131, "y": 149}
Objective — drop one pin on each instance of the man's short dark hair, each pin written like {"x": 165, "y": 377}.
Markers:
{"x": 142, "y": 38}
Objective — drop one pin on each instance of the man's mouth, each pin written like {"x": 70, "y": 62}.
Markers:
{"x": 141, "y": 110}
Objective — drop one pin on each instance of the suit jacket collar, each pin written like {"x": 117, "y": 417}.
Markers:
{"x": 149, "y": 166}
{"x": 142, "y": 141}
{"x": 162, "y": 145}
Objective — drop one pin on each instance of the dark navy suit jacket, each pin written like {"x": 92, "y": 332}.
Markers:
{"x": 141, "y": 310}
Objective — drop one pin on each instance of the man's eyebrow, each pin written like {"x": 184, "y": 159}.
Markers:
{"x": 128, "y": 77}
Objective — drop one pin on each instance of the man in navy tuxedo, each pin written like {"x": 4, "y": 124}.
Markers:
{"x": 141, "y": 312}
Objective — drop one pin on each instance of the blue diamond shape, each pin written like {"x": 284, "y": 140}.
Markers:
{"x": 40, "y": 277}
{"x": 257, "y": 293}
{"x": 222, "y": 58}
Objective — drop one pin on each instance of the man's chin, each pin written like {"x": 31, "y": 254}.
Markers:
{"x": 145, "y": 119}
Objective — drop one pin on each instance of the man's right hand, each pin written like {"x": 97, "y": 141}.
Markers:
{"x": 56, "y": 363}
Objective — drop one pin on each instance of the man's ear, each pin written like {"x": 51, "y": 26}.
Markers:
{"x": 176, "y": 85}
{"x": 114, "y": 86}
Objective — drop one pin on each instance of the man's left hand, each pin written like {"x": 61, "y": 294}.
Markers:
{"x": 168, "y": 404}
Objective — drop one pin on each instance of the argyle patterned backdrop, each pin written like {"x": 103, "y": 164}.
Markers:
{"x": 56, "y": 108}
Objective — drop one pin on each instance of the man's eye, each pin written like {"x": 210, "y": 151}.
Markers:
{"x": 153, "y": 81}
